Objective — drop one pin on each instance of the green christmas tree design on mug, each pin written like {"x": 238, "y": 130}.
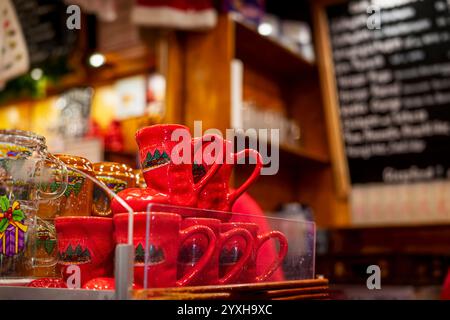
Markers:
{"x": 77, "y": 255}
{"x": 156, "y": 255}
{"x": 155, "y": 160}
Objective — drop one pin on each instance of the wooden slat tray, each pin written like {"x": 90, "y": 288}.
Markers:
{"x": 317, "y": 296}
{"x": 295, "y": 289}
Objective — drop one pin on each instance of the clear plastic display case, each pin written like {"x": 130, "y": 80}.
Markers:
{"x": 173, "y": 252}
{"x": 213, "y": 253}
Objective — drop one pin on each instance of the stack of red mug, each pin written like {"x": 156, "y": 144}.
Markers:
{"x": 183, "y": 249}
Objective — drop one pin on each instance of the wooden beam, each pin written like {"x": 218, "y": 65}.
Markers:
{"x": 330, "y": 98}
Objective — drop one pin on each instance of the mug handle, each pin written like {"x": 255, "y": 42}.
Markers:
{"x": 246, "y": 153}
{"x": 62, "y": 171}
{"x": 198, "y": 187}
{"x": 52, "y": 231}
{"x": 236, "y": 270}
{"x": 261, "y": 239}
{"x": 204, "y": 260}
{"x": 101, "y": 193}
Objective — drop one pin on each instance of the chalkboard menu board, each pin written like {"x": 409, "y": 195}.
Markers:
{"x": 393, "y": 85}
{"x": 44, "y": 26}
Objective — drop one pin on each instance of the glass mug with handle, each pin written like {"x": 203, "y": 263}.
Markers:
{"x": 115, "y": 176}
{"x": 24, "y": 177}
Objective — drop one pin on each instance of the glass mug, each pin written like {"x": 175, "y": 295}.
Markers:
{"x": 77, "y": 200}
{"x": 24, "y": 163}
{"x": 117, "y": 177}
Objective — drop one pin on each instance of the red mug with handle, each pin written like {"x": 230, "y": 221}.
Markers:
{"x": 86, "y": 243}
{"x": 216, "y": 195}
{"x": 194, "y": 247}
{"x": 165, "y": 237}
{"x": 168, "y": 181}
{"x": 165, "y": 165}
{"x": 233, "y": 249}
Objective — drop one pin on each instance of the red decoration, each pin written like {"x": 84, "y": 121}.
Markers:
{"x": 105, "y": 284}
{"x": 48, "y": 283}
{"x": 94, "y": 130}
{"x": 114, "y": 138}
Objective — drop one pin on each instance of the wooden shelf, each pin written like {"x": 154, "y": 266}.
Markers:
{"x": 413, "y": 239}
{"x": 409, "y": 255}
{"x": 121, "y": 64}
{"x": 273, "y": 78}
{"x": 268, "y": 54}
{"x": 299, "y": 153}
{"x": 304, "y": 154}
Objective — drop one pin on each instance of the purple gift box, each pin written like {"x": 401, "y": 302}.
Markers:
{"x": 13, "y": 241}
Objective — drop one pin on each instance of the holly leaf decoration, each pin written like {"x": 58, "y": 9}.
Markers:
{"x": 4, "y": 203}
{"x": 49, "y": 246}
{"x": 18, "y": 215}
{"x": 54, "y": 186}
{"x": 77, "y": 188}
{"x": 68, "y": 191}
{"x": 3, "y": 224}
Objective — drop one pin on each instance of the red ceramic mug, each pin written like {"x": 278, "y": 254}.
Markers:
{"x": 85, "y": 242}
{"x": 157, "y": 145}
{"x": 168, "y": 182}
{"x": 233, "y": 248}
{"x": 194, "y": 247}
{"x": 166, "y": 235}
{"x": 216, "y": 195}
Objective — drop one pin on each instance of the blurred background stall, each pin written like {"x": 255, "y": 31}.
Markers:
{"x": 312, "y": 69}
